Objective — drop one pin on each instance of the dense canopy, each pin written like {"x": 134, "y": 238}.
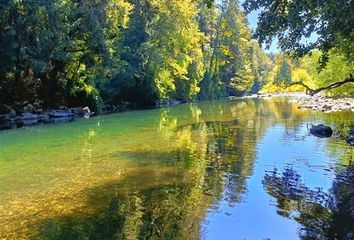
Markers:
{"x": 144, "y": 52}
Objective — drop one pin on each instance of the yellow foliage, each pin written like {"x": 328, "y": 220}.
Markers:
{"x": 272, "y": 88}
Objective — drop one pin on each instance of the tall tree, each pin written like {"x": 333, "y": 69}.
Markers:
{"x": 230, "y": 68}
{"x": 260, "y": 65}
{"x": 174, "y": 49}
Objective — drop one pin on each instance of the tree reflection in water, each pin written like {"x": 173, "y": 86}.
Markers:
{"x": 321, "y": 215}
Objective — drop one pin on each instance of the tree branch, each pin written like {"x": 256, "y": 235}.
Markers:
{"x": 313, "y": 92}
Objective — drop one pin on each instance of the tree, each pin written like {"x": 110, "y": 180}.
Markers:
{"x": 283, "y": 76}
{"x": 292, "y": 21}
{"x": 260, "y": 65}
{"x": 88, "y": 53}
{"x": 330, "y": 78}
{"x": 174, "y": 49}
{"x": 129, "y": 82}
{"x": 229, "y": 68}
{"x": 235, "y": 69}
{"x": 51, "y": 51}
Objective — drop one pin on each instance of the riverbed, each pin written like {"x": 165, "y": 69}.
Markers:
{"x": 230, "y": 169}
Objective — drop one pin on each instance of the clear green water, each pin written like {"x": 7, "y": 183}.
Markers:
{"x": 244, "y": 169}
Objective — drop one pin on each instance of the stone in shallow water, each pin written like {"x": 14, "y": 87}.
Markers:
{"x": 321, "y": 131}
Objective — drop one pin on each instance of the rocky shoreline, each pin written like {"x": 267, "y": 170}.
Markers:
{"x": 322, "y": 103}
{"x": 307, "y": 102}
{"x": 31, "y": 116}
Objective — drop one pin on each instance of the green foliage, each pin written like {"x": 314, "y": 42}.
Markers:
{"x": 175, "y": 62}
{"x": 338, "y": 67}
{"x": 234, "y": 62}
{"x": 303, "y": 27}
{"x": 286, "y": 71}
{"x": 141, "y": 51}
{"x": 260, "y": 65}
{"x": 280, "y": 76}
{"x": 293, "y": 21}
{"x": 79, "y": 52}
{"x": 52, "y": 50}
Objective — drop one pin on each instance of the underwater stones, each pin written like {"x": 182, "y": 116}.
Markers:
{"x": 28, "y": 116}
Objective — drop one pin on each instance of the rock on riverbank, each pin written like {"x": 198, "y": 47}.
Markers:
{"x": 307, "y": 102}
{"x": 31, "y": 116}
{"x": 322, "y": 103}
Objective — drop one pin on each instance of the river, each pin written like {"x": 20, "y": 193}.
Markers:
{"x": 241, "y": 169}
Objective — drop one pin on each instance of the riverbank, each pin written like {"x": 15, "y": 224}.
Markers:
{"x": 322, "y": 103}
{"x": 31, "y": 116}
{"x": 307, "y": 102}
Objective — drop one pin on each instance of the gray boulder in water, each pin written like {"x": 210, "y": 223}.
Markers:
{"x": 321, "y": 131}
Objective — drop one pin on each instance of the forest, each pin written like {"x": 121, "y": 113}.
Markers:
{"x": 143, "y": 52}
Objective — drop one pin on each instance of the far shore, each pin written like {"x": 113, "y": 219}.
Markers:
{"x": 306, "y": 102}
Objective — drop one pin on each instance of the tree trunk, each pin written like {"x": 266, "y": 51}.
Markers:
{"x": 313, "y": 92}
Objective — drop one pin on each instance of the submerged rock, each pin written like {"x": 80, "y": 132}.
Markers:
{"x": 80, "y": 111}
{"x": 321, "y": 131}
{"x": 59, "y": 120}
{"x": 30, "y": 116}
{"x": 27, "y": 119}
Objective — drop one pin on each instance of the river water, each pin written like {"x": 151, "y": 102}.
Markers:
{"x": 242, "y": 169}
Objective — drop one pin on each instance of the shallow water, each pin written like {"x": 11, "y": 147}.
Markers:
{"x": 243, "y": 169}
